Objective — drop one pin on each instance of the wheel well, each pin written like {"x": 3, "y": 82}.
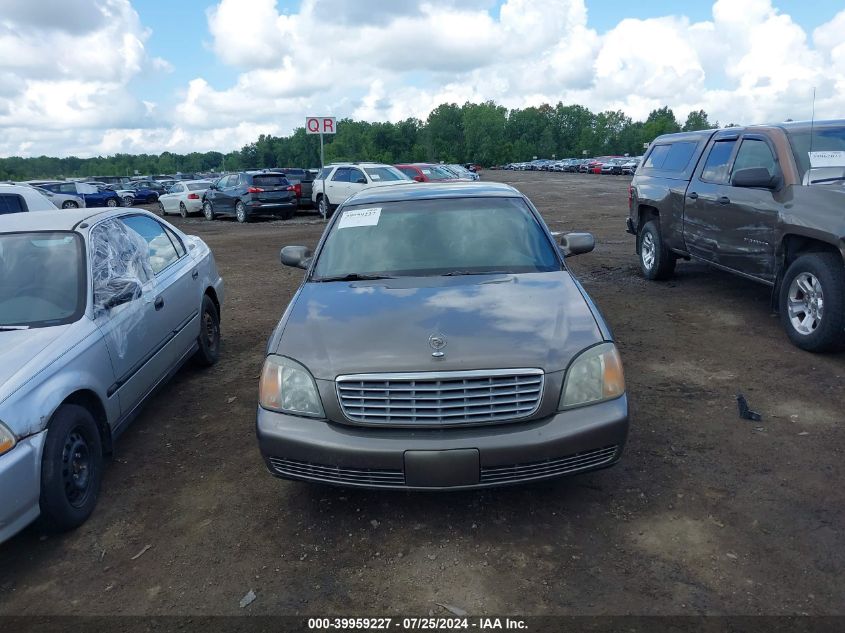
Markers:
{"x": 213, "y": 296}
{"x": 793, "y": 246}
{"x": 646, "y": 213}
{"x": 89, "y": 400}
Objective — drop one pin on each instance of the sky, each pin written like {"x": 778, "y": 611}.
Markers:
{"x": 98, "y": 77}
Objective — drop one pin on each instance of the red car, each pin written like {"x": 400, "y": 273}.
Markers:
{"x": 595, "y": 165}
{"x": 426, "y": 172}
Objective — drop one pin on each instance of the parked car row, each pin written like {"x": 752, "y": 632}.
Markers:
{"x": 615, "y": 165}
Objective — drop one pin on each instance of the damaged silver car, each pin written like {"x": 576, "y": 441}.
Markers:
{"x": 438, "y": 341}
{"x": 96, "y": 311}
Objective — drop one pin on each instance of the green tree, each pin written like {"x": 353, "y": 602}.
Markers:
{"x": 697, "y": 120}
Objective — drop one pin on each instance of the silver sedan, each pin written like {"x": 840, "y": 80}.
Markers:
{"x": 97, "y": 308}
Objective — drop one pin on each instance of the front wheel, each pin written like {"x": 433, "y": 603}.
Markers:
{"x": 208, "y": 210}
{"x": 323, "y": 207}
{"x": 812, "y": 302}
{"x": 183, "y": 210}
{"x": 208, "y": 341}
{"x": 111, "y": 202}
{"x": 656, "y": 261}
{"x": 71, "y": 469}
{"x": 128, "y": 201}
{"x": 69, "y": 204}
{"x": 161, "y": 210}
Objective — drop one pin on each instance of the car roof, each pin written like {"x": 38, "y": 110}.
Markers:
{"x": 58, "y": 220}
{"x": 433, "y": 190}
{"x": 805, "y": 126}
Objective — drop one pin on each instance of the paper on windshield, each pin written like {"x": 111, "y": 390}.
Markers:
{"x": 835, "y": 158}
{"x": 359, "y": 217}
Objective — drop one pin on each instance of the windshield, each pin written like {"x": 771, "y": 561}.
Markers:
{"x": 380, "y": 174}
{"x": 42, "y": 279}
{"x": 196, "y": 186}
{"x": 436, "y": 237}
{"x": 825, "y": 139}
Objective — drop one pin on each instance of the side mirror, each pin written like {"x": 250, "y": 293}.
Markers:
{"x": 753, "y": 177}
{"x": 360, "y": 180}
{"x": 296, "y": 256}
{"x": 120, "y": 291}
{"x": 577, "y": 243}
{"x": 419, "y": 179}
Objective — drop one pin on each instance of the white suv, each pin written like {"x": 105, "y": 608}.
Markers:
{"x": 338, "y": 181}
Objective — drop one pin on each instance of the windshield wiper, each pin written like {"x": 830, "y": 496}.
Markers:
{"x": 354, "y": 277}
{"x": 460, "y": 273}
{"x": 12, "y": 328}
{"x": 812, "y": 182}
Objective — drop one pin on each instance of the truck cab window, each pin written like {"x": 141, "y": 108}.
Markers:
{"x": 755, "y": 153}
{"x": 716, "y": 168}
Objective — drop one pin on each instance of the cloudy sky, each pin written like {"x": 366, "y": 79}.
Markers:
{"x": 89, "y": 77}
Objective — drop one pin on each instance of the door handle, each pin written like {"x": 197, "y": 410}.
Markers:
{"x": 692, "y": 196}
{"x": 159, "y": 303}
{"x": 195, "y": 274}
{"x": 724, "y": 200}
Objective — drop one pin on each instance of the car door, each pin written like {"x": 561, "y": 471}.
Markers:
{"x": 357, "y": 180}
{"x": 171, "y": 200}
{"x": 224, "y": 195}
{"x": 705, "y": 203}
{"x": 747, "y": 236}
{"x": 123, "y": 286}
{"x": 175, "y": 317}
{"x": 337, "y": 187}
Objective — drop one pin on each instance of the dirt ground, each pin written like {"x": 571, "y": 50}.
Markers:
{"x": 705, "y": 513}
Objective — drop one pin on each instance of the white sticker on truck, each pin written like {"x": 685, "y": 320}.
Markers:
{"x": 359, "y": 217}
{"x": 834, "y": 158}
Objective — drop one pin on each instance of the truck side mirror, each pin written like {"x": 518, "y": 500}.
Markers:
{"x": 576, "y": 243}
{"x": 754, "y": 178}
{"x": 296, "y": 256}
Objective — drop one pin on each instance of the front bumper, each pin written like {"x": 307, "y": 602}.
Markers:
{"x": 578, "y": 440}
{"x": 20, "y": 485}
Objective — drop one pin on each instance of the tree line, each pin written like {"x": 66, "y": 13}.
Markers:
{"x": 484, "y": 133}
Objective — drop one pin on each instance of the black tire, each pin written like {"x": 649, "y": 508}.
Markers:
{"x": 111, "y": 202}
{"x": 324, "y": 207}
{"x": 816, "y": 321}
{"x": 71, "y": 469}
{"x": 656, "y": 261}
{"x": 161, "y": 210}
{"x": 69, "y": 204}
{"x": 183, "y": 210}
{"x": 241, "y": 214}
{"x": 128, "y": 201}
{"x": 209, "y": 338}
{"x": 208, "y": 210}
{"x": 154, "y": 198}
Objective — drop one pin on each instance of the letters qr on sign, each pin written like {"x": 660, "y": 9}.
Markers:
{"x": 320, "y": 125}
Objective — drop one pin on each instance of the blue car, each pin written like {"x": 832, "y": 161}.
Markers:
{"x": 93, "y": 196}
{"x": 147, "y": 191}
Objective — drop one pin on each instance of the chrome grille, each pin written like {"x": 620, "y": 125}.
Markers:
{"x": 337, "y": 474}
{"x": 549, "y": 468}
{"x": 440, "y": 398}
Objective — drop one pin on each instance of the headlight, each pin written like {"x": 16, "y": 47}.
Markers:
{"x": 594, "y": 376}
{"x": 288, "y": 387}
{"x": 7, "y": 439}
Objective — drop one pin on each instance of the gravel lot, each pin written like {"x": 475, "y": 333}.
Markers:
{"x": 706, "y": 513}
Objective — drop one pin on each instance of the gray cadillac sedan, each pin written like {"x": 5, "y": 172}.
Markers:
{"x": 438, "y": 341}
{"x": 97, "y": 308}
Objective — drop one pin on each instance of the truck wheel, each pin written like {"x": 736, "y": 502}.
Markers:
{"x": 812, "y": 302}
{"x": 71, "y": 469}
{"x": 656, "y": 261}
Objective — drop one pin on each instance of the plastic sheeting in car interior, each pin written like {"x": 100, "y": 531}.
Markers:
{"x": 122, "y": 279}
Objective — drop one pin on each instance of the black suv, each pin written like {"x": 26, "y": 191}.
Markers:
{"x": 247, "y": 194}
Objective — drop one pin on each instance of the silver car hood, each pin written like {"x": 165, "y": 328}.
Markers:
{"x": 23, "y": 353}
{"x": 488, "y": 321}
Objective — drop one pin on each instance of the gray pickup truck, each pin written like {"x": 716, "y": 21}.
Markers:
{"x": 302, "y": 180}
{"x": 764, "y": 202}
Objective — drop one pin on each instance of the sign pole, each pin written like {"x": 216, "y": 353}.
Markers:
{"x": 322, "y": 173}
{"x": 321, "y": 125}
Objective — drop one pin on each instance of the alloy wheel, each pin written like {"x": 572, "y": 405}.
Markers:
{"x": 805, "y": 303}
{"x": 647, "y": 250}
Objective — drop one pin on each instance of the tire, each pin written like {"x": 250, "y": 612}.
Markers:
{"x": 288, "y": 215}
{"x": 71, "y": 469}
{"x": 128, "y": 201}
{"x": 209, "y": 338}
{"x": 111, "y": 202}
{"x": 208, "y": 210}
{"x": 812, "y": 302}
{"x": 240, "y": 212}
{"x": 161, "y": 210}
{"x": 69, "y": 204}
{"x": 323, "y": 207}
{"x": 183, "y": 210}
{"x": 656, "y": 261}
{"x": 153, "y": 198}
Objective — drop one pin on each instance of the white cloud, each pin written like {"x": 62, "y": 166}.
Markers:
{"x": 749, "y": 62}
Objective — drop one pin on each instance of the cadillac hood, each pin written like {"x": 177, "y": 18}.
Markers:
{"x": 486, "y": 322}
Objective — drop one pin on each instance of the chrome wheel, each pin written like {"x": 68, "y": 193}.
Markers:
{"x": 111, "y": 202}
{"x": 208, "y": 211}
{"x": 70, "y": 204}
{"x": 805, "y": 303}
{"x": 324, "y": 207}
{"x": 647, "y": 250}
{"x": 240, "y": 212}
{"x": 183, "y": 210}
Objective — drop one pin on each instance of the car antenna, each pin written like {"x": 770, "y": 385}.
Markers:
{"x": 812, "y": 126}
